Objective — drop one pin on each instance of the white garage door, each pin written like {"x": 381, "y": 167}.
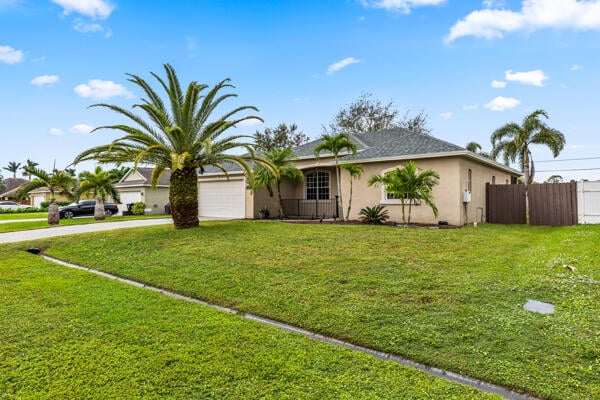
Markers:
{"x": 128, "y": 198}
{"x": 224, "y": 199}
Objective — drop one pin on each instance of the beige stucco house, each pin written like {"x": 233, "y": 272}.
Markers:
{"x": 135, "y": 186}
{"x": 378, "y": 152}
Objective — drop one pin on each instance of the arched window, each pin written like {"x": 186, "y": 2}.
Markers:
{"x": 317, "y": 185}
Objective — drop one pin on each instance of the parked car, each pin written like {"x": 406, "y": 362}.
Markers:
{"x": 85, "y": 208}
{"x": 11, "y": 205}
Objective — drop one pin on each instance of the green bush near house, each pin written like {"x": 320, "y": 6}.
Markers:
{"x": 138, "y": 208}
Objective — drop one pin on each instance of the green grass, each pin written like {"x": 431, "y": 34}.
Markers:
{"x": 448, "y": 298}
{"x": 9, "y": 216}
{"x": 26, "y": 225}
{"x": 69, "y": 334}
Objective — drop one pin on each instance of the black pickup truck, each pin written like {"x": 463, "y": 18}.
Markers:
{"x": 85, "y": 207}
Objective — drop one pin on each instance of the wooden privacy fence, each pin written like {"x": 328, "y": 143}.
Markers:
{"x": 553, "y": 204}
{"x": 505, "y": 204}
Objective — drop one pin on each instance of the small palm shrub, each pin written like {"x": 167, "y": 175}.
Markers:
{"x": 138, "y": 208}
{"x": 375, "y": 215}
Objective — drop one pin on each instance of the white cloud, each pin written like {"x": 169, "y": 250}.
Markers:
{"x": 342, "y": 64}
{"x": 576, "y": 67}
{"x": 44, "y": 80}
{"x": 446, "y": 115}
{"x": 403, "y": 6}
{"x": 535, "y": 77}
{"x": 90, "y": 8}
{"x": 493, "y": 3}
{"x": 99, "y": 89}
{"x": 85, "y": 27}
{"x": 498, "y": 84}
{"x": 534, "y": 15}
{"x": 502, "y": 103}
{"x": 471, "y": 107}
{"x": 81, "y": 129}
{"x": 9, "y": 55}
{"x": 55, "y": 131}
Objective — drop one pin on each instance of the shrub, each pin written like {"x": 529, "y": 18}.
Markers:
{"x": 45, "y": 204}
{"x": 138, "y": 208}
{"x": 24, "y": 210}
{"x": 376, "y": 215}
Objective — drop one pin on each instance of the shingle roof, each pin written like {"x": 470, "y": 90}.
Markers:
{"x": 389, "y": 143}
{"x": 164, "y": 179}
{"x": 12, "y": 184}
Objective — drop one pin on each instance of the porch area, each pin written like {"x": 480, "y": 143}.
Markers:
{"x": 311, "y": 209}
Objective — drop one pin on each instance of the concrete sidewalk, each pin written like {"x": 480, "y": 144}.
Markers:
{"x": 10, "y": 221}
{"x": 21, "y": 236}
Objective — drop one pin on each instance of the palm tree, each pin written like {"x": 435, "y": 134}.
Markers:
{"x": 409, "y": 184}
{"x": 335, "y": 144}
{"x": 473, "y": 146}
{"x": 283, "y": 161}
{"x": 30, "y": 165}
{"x": 99, "y": 185}
{"x": 13, "y": 167}
{"x": 179, "y": 137}
{"x": 57, "y": 182}
{"x": 476, "y": 148}
{"x": 355, "y": 171}
{"x": 514, "y": 141}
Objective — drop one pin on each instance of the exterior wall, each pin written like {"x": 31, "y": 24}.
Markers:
{"x": 42, "y": 197}
{"x": 156, "y": 199}
{"x": 480, "y": 175}
{"x": 446, "y": 194}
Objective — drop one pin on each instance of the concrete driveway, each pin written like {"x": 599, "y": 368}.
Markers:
{"x": 21, "y": 236}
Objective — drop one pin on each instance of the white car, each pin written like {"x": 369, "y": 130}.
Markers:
{"x": 11, "y": 205}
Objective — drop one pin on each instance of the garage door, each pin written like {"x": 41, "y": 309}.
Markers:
{"x": 128, "y": 198}
{"x": 225, "y": 199}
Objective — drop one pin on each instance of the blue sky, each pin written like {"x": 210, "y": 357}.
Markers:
{"x": 470, "y": 65}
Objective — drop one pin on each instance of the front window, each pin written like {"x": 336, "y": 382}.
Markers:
{"x": 317, "y": 186}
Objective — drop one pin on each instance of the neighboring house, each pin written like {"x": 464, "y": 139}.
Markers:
{"x": 378, "y": 152}
{"x": 135, "y": 186}
{"x": 40, "y": 195}
{"x": 12, "y": 185}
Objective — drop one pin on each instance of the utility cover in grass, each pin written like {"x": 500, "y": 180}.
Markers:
{"x": 539, "y": 306}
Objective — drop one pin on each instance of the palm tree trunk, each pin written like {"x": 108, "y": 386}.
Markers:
{"x": 99, "y": 213}
{"x": 53, "y": 216}
{"x": 281, "y": 216}
{"x": 339, "y": 188}
{"x": 409, "y": 209}
{"x": 526, "y": 171}
{"x": 349, "y": 200}
{"x": 183, "y": 196}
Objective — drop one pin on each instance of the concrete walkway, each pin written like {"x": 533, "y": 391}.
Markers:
{"x": 21, "y": 236}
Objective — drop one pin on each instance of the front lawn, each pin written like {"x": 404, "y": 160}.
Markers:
{"x": 27, "y": 225}
{"x": 10, "y": 216}
{"x": 448, "y": 298}
{"x": 69, "y": 334}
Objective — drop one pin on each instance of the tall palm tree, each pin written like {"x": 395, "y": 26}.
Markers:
{"x": 335, "y": 144}
{"x": 99, "y": 185}
{"x": 29, "y": 164}
{"x": 410, "y": 184}
{"x": 355, "y": 171}
{"x": 178, "y": 136}
{"x": 13, "y": 167}
{"x": 57, "y": 182}
{"x": 514, "y": 141}
{"x": 283, "y": 161}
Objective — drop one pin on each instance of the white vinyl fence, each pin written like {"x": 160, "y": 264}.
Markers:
{"x": 588, "y": 202}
